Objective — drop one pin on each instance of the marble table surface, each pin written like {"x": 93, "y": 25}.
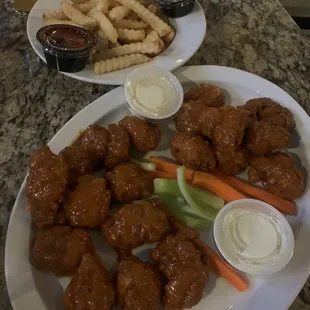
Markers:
{"x": 256, "y": 36}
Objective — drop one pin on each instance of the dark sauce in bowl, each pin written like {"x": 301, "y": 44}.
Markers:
{"x": 66, "y": 47}
{"x": 176, "y": 8}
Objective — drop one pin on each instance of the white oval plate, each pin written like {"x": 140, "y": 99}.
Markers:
{"x": 190, "y": 32}
{"x": 31, "y": 289}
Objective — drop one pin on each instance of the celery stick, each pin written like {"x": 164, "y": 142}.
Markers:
{"x": 202, "y": 197}
{"x": 167, "y": 187}
{"x": 205, "y": 209}
{"x": 205, "y": 197}
{"x": 185, "y": 214}
{"x": 145, "y": 165}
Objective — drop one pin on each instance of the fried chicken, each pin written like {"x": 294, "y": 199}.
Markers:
{"x": 209, "y": 95}
{"x": 78, "y": 161}
{"x": 128, "y": 182}
{"x": 278, "y": 175}
{"x": 138, "y": 285}
{"x": 195, "y": 118}
{"x": 269, "y": 111}
{"x": 88, "y": 204}
{"x": 193, "y": 152}
{"x": 180, "y": 262}
{"x": 95, "y": 140}
{"x": 264, "y": 137}
{"x": 133, "y": 225}
{"x": 46, "y": 184}
{"x": 228, "y": 133}
{"x": 232, "y": 162}
{"x": 91, "y": 288}
{"x": 144, "y": 136}
{"x": 59, "y": 249}
{"x": 118, "y": 146}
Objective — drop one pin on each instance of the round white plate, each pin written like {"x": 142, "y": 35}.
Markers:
{"x": 31, "y": 289}
{"x": 190, "y": 32}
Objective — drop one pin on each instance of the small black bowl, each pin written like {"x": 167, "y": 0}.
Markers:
{"x": 66, "y": 48}
{"x": 176, "y": 8}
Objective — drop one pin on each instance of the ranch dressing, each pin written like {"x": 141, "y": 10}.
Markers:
{"x": 153, "y": 95}
{"x": 251, "y": 238}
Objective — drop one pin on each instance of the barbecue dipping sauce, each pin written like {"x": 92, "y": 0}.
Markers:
{"x": 66, "y": 47}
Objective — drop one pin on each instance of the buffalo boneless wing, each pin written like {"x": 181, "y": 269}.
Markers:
{"x": 118, "y": 146}
{"x": 88, "y": 204}
{"x": 229, "y": 131}
{"x": 138, "y": 285}
{"x": 78, "y": 161}
{"x": 193, "y": 152}
{"x": 265, "y": 109}
{"x": 278, "y": 175}
{"x": 264, "y": 137}
{"x": 46, "y": 185}
{"x": 91, "y": 287}
{"x": 59, "y": 249}
{"x": 95, "y": 140}
{"x": 128, "y": 182}
{"x": 209, "y": 95}
{"x": 180, "y": 262}
{"x": 232, "y": 162}
{"x": 133, "y": 225}
{"x": 144, "y": 136}
{"x": 196, "y": 118}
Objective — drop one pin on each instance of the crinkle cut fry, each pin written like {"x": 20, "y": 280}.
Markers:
{"x": 154, "y": 21}
{"x": 122, "y": 62}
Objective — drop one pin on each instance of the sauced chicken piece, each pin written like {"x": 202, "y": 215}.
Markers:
{"x": 278, "y": 175}
{"x": 192, "y": 151}
{"x": 144, "y": 136}
{"x": 78, "y": 162}
{"x": 138, "y": 285}
{"x": 180, "y": 262}
{"x": 128, "y": 182}
{"x": 95, "y": 140}
{"x": 187, "y": 118}
{"x": 91, "y": 288}
{"x": 59, "y": 249}
{"x": 232, "y": 162}
{"x": 209, "y": 119}
{"x": 209, "y": 95}
{"x": 265, "y": 109}
{"x": 118, "y": 146}
{"x": 134, "y": 225}
{"x": 88, "y": 204}
{"x": 46, "y": 184}
{"x": 265, "y": 137}
{"x": 229, "y": 132}
{"x": 195, "y": 118}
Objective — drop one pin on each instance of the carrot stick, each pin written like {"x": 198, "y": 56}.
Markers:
{"x": 279, "y": 203}
{"x": 169, "y": 167}
{"x": 162, "y": 175}
{"x": 215, "y": 262}
{"x": 217, "y": 186}
{"x": 221, "y": 268}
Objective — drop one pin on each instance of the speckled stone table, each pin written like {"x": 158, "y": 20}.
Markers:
{"x": 256, "y": 36}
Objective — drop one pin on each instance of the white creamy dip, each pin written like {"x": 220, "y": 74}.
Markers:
{"x": 153, "y": 95}
{"x": 251, "y": 237}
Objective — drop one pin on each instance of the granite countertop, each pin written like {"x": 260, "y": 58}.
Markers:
{"x": 256, "y": 36}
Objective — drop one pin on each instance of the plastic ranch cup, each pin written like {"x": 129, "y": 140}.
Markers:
{"x": 253, "y": 237}
{"x": 66, "y": 48}
{"x": 153, "y": 93}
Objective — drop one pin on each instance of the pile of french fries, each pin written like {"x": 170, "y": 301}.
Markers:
{"x": 128, "y": 32}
